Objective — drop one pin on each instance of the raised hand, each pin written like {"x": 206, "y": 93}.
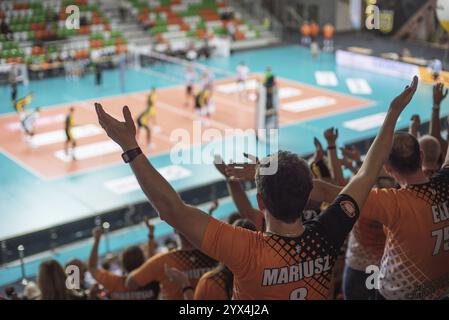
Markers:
{"x": 319, "y": 153}
{"x": 416, "y": 123}
{"x": 352, "y": 154}
{"x": 400, "y": 102}
{"x": 416, "y": 120}
{"x": 150, "y": 226}
{"x": 317, "y": 144}
{"x": 439, "y": 94}
{"x": 251, "y": 157}
{"x": 213, "y": 207}
{"x": 331, "y": 136}
{"x": 241, "y": 171}
{"x": 123, "y": 133}
{"x": 220, "y": 165}
{"x": 96, "y": 233}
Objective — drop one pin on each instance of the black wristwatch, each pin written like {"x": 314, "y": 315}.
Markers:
{"x": 130, "y": 155}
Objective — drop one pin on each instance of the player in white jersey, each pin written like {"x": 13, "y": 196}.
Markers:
{"x": 190, "y": 82}
{"x": 242, "y": 76}
{"x": 436, "y": 67}
{"x": 28, "y": 119}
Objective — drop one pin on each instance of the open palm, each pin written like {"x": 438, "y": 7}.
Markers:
{"x": 400, "y": 102}
{"x": 123, "y": 133}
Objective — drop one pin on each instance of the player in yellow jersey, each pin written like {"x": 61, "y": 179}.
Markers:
{"x": 70, "y": 139}
{"x": 202, "y": 101}
{"x": 143, "y": 121}
{"x": 21, "y": 104}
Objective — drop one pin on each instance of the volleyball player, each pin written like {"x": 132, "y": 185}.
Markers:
{"x": 436, "y": 68}
{"x": 242, "y": 76}
{"x": 190, "y": 81}
{"x": 201, "y": 102}
{"x": 328, "y": 33}
{"x": 28, "y": 122}
{"x": 143, "y": 121}
{"x": 70, "y": 142}
{"x": 21, "y": 104}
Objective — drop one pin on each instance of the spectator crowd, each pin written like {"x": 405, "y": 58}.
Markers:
{"x": 318, "y": 227}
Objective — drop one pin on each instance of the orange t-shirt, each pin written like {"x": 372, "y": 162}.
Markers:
{"x": 305, "y": 30}
{"x": 415, "y": 264}
{"x": 366, "y": 244}
{"x": 212, "y": 286}
{"x": 328, "y": 31}
{"x": 192, "y": 262}
{"x": 115, "y": 285}
{"x": 272, "y": 267}
{"x": 314, "y": 30}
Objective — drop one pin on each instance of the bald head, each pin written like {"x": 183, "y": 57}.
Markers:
{"x": 431, "y": 149}
{"x": 405, "y": 156}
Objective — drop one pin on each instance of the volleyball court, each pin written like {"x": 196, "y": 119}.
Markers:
{"x": 231, "y": 107}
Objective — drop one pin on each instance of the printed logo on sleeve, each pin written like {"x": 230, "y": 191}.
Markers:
{"x": 349, "y": 208}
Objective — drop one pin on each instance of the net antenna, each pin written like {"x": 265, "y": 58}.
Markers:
{"x": 267, "y": 120}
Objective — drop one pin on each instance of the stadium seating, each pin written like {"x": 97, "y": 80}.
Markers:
{"x": 179, "y": 20}
{"x": 34, "y": 23}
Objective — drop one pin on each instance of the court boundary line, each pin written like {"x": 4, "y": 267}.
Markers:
{"x": 23, "y": 165}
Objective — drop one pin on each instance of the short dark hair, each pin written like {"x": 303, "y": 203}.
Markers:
{"x": 233, "y": 217}
{"x": 245, "y": 224}
{"x": 132, "y": 258}
{"x": 285, "y": 193}
{"x": 405, "y": 156}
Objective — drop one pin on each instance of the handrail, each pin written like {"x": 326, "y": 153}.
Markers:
{"x": 295, "y": 15}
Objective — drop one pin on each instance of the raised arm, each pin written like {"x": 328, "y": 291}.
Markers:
{"x": 414, "y": 126}
{"x": 151, "y": 244}
{"x": 324, "y": 192}
{"x": 159, "y": 192}
{"x": 446, "y": 161}
{"x": 243, "y": 204}
{"x": 331, "y": 136}
{"x": 238, "y": 194}
{"x": 350, "y": 157}
{"x": 214, "y": 206}
{"x": 93, "y": 258}
{"x": 360, "y": 186}
{"x": 439, "y": 94}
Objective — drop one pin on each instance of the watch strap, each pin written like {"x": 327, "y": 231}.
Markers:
{"x": 130, "y": 155}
